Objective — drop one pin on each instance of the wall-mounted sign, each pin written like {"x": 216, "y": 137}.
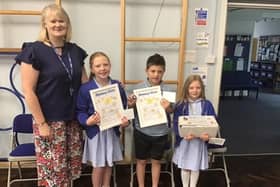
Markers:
{"x": 201, "y": 16}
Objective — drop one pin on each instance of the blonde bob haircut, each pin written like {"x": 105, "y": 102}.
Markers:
{"x": 184, "y": 96}
{"x": 58, "y": 11}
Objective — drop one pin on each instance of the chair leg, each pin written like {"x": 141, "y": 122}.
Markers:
{"x": 131, "y": 174}
{"x": 114, "y": 176}
{"x": 19, "y": 170}
{"x": 226, "y": 171}
{"x": 72, "y": 183}
{"x": 211, "y": 159}
{"x": 9, "y": 174}
{"x": 172, "y": 175}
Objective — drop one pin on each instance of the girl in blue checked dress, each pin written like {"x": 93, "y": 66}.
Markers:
{"x": 102, "y": 148}
{"x": 191, "y": 153}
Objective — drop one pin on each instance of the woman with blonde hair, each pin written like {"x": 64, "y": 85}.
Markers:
{"x": 52, "y": 70}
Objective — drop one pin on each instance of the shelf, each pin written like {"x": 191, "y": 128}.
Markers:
{"x": 9, "y": 50}
{"x": 259, "y": 69}
{"x": 20, "y": 12}
{"x": 263, "y": 72}
{"x": 269, "y": 48}
{"x": 143, "y": 39}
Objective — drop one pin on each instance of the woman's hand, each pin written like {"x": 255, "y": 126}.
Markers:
{"x": 44, "y": 130}
{"x": 94, "y": 119}
{"x": 125, "y": 122}
{"x": 204, "y": 137}
{"x": 131, "y": 100}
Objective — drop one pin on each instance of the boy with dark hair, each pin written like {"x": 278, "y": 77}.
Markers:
{"x": 150, "y": 142}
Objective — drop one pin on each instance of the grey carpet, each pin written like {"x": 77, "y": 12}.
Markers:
{"x": 251, "y": 126}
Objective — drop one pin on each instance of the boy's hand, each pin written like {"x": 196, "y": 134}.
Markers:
{"x": 204, "y": 137}
{"x": 125, "y": 122}
{"x": 94, "y": 119}
{"x": 131, "y": 100}
{"x": 166, "y": 105}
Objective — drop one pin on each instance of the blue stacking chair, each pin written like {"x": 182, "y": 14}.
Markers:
{"x": 21, "y": 152}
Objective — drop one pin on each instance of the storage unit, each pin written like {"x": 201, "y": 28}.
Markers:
{"x": 263, "y": 73}
{"x": 266, "y": 70}
{"x": 269, "y": 48}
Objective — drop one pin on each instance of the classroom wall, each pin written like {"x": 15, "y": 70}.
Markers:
{"x": 96, "y": 26}
{"x": 265, "y": 28}
{"x": 241, "y": 21}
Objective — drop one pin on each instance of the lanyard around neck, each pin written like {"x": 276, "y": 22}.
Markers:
{"x": 69, "y": 70}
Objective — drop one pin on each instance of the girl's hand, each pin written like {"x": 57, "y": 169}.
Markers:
{"x": 94, "y": 119}
{"x": 131, "y": 100}
{"x": 125, "y": 122}
{"x": 189, "y": 137}
{"x": 122, "y": 85}
{"x": 204, "y": 137}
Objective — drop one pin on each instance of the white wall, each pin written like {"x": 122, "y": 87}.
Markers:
{"x": 243, "y": 27}
{"x": 216, "y": 29}
{"x": 242, "y": 21}
{"x": 96, "y": 26}
{"x": 265, "y": 28}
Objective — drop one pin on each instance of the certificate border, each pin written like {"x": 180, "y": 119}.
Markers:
{"x": 142, "y": 121}
{"x": 103, "y": 124}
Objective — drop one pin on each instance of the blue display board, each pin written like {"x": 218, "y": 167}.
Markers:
{"x": 236, "y": 52}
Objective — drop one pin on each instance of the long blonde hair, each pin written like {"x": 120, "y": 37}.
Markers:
{"x": 91, "y": 60}
{"x": 184, "y": 96}
{"x": 61, "y": 13}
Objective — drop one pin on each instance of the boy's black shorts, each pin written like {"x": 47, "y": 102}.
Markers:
{"x": 149, "y": 146}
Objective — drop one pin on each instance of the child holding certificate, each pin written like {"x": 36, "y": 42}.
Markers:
{"x": 150, "y": 142}
{"x": 191, "y": 153}
{"x": 102, "y": 148}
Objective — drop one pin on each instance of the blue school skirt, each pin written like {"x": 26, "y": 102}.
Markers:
{"x": 103, "y": 149}
{"x": 191, "y": 155}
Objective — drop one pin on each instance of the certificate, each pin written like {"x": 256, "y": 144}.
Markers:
{"x": 149, "y": 110}
{"x": 197, "y": 125}
{"x": 107, "y": 102}
{"x": 169, "y": 96}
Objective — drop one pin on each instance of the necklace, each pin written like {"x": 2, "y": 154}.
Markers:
{"x": 58, "y": 47}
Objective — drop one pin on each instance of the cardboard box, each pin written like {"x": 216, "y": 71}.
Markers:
{"x": 198, "y": 125}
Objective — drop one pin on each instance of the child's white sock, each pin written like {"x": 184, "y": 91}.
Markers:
{"x": 194, "y": 178}
{"x": 185, "y": 176}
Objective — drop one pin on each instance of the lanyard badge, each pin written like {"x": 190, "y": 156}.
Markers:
{"x": 69, "y": 70}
